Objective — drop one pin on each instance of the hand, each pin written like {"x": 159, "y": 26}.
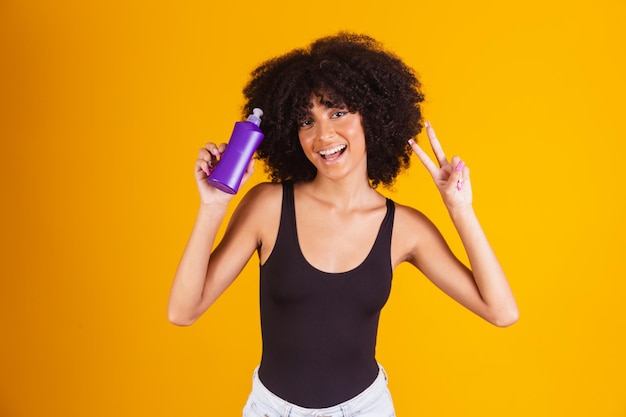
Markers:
{"x": 451, "y": 178}
{"x": 208, "y": 158}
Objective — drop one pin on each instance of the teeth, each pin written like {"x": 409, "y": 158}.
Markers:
{"x": 333, "y": 150}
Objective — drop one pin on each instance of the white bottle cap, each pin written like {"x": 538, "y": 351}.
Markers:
{"x": 255, "y": 117}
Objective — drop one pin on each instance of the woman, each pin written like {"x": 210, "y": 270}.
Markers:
{"x": 340, "y": 118}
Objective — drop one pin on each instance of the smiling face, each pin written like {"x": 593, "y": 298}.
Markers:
{"x": 333, "y": 139}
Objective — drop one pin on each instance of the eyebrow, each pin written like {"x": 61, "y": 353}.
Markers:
{"x": 328, "y": 104}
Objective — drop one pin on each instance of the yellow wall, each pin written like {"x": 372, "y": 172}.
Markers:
{"x": 104, "y": 104}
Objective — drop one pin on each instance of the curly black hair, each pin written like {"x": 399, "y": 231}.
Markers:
{"x": 346, "y": 68}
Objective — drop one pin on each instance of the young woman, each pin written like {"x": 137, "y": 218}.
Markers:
{"x": 340, "y": 119}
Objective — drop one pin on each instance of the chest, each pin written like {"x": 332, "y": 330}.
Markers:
{"x": 336, "y": 242}
{"x": 292, "y": 278}
{"x": 331, "y": 258}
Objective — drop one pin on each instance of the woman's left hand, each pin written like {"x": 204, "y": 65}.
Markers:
{"x": 451, "y": 178}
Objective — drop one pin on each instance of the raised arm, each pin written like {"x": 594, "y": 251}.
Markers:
{"x": 201, "y": 276}
{"x": 484, "y": 288}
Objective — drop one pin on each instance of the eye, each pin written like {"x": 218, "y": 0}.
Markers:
{"x": 302, "y": 124}
{"x": 338, "y": 114}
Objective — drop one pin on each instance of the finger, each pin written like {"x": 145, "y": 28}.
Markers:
{"x": 454, "y": 162}
{"x": 249, "y": 171}
{"x": 466, "y": 175}
{"x": 213, "y": 149}
{"x": 458, "y": 174}
{"x": 205, "y": 154}
{"x": 436, "y": 145}
{"x": 428, "y": 163}
{"x": 212, "y": 153}
{"x": 202, "y": 165}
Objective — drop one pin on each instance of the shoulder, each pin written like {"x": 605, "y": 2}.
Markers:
{"x": 264, "y": 192}
{"x": 259, "y": 214}
{"x": 412, "y": 230}
{"x": 406, "y": 216}
{"x": 259, "y": 210}
{"x": 262, "y": 198}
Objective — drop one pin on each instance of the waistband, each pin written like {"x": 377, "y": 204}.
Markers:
{"x": 362, "y": 400}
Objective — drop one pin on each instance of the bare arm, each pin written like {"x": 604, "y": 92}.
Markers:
{"x": 201, "y": 276}
{"x": 484, "y": 288}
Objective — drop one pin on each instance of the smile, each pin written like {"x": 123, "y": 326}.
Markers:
{"x": 332, "y": 153}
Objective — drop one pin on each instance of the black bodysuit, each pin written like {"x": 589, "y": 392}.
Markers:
{"x": 319, "y": 329}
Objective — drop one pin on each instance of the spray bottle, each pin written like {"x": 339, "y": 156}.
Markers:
{"x": 243, "y": 142}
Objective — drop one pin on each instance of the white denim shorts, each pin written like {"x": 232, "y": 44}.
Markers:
{"x": 375, "y": 401}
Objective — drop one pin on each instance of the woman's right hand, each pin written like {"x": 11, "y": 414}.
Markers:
{"x": 208, "y": 158}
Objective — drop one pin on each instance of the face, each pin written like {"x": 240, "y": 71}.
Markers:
{"x": 333, "y": 140}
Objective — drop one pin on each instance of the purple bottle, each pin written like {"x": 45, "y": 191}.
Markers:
{"x": 244, "y": 140}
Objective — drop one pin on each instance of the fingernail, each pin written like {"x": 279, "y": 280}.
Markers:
{"x": 459, "y": 166}
{"x": 427, "y": 124}
{"x": 411, "y": 142}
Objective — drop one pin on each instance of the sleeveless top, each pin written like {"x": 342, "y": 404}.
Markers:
{"x": 319, "y": 329}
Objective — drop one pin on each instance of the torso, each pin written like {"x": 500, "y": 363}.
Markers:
{"x": 319, "y": 326}
{"x": 320, "y": 227}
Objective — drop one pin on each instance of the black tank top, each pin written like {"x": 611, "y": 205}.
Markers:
{"x": 319, "y": 329}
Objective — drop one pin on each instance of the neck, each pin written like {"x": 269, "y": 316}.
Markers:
{"x": 346, "y": 193}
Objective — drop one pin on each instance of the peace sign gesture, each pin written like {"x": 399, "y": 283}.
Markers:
{"x": 451, "y": 178}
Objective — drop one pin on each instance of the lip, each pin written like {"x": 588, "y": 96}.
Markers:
{"x": 333, "y": 152}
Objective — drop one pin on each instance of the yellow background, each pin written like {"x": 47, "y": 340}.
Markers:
{"x": 104, "y": 104}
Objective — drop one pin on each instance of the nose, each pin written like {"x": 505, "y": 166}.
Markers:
{"x": 325, "y": 130}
